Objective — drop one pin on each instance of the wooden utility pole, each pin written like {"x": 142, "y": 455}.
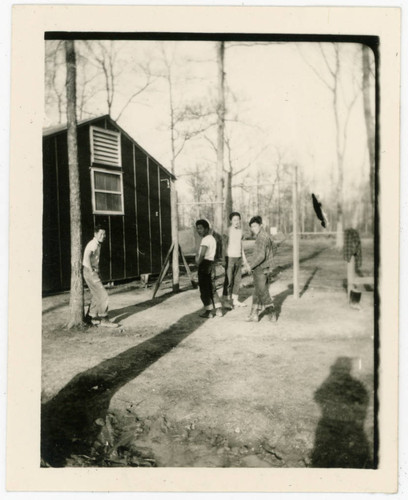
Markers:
{"x": 174, "y": 236}
{"x": 76, "y": 304}
{"x": 295, "y": 234}
{"x": 218, "y": 216}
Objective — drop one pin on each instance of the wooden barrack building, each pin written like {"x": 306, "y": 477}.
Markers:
{"x": 122, "y": 187}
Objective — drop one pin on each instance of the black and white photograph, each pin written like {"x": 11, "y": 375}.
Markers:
{"x": 211, "y": 262}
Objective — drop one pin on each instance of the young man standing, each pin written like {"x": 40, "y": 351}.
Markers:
{"x": 234, "y": 257}
{"x": 206, "y": 271}
{"x": 261, "y": 265}
{"x": 98, "y": 309}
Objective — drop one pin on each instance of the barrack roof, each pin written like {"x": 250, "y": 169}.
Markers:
{"x": 56, "y": 129}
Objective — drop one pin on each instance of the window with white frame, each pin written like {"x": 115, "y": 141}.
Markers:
{"x": 107, "y": 192}
{"x": 105, "y": 147}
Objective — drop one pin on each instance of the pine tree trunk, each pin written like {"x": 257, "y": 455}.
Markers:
{"x": 77, "y": 292}
{"x": 218, "y": 218}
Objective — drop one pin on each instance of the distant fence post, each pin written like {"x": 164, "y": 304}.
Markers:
{"x": 295, "y": 234}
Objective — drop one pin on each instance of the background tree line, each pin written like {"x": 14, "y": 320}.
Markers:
{"x": 224, "y": 157}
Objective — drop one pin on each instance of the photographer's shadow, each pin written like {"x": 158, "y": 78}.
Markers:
{"x": 340, "y": 440}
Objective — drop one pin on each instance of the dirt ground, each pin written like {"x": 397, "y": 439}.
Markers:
{"x": 172, "y": 389}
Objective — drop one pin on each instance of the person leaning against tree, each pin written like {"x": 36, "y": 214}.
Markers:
{"x": 206, "y": 275}
{"x": 98, "y": 308}
{"x": 261, "y": 265}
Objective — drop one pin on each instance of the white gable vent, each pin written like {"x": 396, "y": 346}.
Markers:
{"x": 105, "y": 147}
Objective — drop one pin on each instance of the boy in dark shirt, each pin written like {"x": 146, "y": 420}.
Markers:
{"x": 261, "y": 265}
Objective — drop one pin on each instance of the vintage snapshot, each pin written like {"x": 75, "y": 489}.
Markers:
{"x": 210, "y": 270}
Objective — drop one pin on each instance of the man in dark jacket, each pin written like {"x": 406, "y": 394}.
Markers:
{"x": 261, "y": 265}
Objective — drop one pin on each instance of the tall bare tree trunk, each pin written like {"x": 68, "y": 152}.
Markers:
{"x": 77, "y": 292}
{"x": 369, "y": 122}
{"x": 173, "y": 199}
{"x": 228, "y": 189}
{"x": 340, "y": 156}
{"x": 218, "y": 218}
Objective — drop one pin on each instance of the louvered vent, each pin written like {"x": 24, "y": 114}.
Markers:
{"x": 105, "y": 147}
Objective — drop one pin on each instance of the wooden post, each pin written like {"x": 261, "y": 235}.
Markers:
{"x": 163, "y": 270}
{"x": 295, "y": 234}
{"x": 166, "y": 265}
{"x": 189, "y": 274}
{"x": 174, "y": 237}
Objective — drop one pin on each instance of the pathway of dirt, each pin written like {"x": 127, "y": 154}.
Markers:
{"x": 172, "y": 389}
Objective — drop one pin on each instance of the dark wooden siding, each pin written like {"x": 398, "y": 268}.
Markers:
{"x": 165, "y": 212}
{"x": 145, "y": 265}
{"x": 84, "y": 161}
{"x": 51, "y": 238}
{"x": 155, "y": 217}
{"x": 129, "y": 219}
{"x": 117, "y": 247}
{"x": 137, "y": 241}
{"x": 65, "y": 222}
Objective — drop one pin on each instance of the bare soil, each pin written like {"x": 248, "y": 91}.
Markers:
{"x": 169, "y": 388}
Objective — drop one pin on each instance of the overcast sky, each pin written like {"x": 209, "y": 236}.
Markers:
{"x": 279, "y": 100}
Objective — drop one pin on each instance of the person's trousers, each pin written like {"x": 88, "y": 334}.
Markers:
{"x": 232, "y": 279}
{"x": 261, "y": 295}
{"x": 206, "y": 282}
{"x": 99, "y": 297}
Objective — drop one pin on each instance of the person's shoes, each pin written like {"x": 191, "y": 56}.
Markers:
{"x": 253, "y": 316}
{"x": 270, "y": 312}
{"x": 88, "y": 319}
{"x": 227, "y": 304}
{"x": 218, "y": 312}
{"x": 237, "y": 303}
{"x": 95, "y": 321}
{"x": 108, "y": 323}
{"x": 207, "y": 314}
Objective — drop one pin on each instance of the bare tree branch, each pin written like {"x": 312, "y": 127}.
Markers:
{"x": 130, "y": 99}
{"x": 315, "y": 71}
{"x": 211, "y": 142}
{"x": 331, "y": 71}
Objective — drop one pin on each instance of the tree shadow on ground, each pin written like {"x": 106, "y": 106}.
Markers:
{"x": 340, "y": 440}
{"x": 125, "y": 312}
{"x": 309, "y": 280}
{"x": 68, "y": 420}
{"x": 316, "y": 253}
{"x": 280, "y": 298}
